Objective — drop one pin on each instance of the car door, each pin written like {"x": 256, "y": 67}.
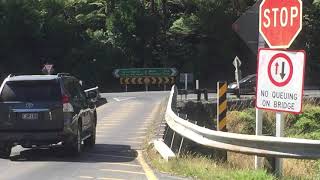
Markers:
{"x": 84, "y": 106}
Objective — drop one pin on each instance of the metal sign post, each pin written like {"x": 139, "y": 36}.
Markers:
{"x": 237, "y": 63}
{"x": 197, "y": 84}
{"x": 279, "y": 133}
{"x": 258, "y": 161}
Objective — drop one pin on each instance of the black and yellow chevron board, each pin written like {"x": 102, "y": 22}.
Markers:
{"x": 222, "y": 106}
{"x": 147, "y": 80}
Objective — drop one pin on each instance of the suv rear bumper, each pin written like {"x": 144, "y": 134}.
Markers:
{"x": 33, "y": 138}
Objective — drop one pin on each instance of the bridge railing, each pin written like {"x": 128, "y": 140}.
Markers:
{"x": 248, "y": 144}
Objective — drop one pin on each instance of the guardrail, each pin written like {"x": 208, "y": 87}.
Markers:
{"x": 248, "y": 144}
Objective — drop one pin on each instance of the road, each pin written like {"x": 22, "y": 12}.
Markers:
{"x": 122, "y": 126}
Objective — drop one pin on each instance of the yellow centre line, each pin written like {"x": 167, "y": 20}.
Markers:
{"x": 148, "y": 171}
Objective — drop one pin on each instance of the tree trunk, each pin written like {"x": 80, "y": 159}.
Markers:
{"x": 153, "y": 7}
{"x": 165, "y": 13}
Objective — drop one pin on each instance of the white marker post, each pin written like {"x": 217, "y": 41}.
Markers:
{"x": 197, "y": 84}
{"x": 186, "y": 81}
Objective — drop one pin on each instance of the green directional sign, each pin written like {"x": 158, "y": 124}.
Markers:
{"x": 143, "y": 72}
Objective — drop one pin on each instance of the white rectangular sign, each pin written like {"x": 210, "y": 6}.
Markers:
{"x": 280, "y": 80}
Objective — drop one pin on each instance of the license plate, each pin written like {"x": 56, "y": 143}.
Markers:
{"x": 30, "y": 116}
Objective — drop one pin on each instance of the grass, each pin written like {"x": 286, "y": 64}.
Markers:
{"x": 199, "y": 167}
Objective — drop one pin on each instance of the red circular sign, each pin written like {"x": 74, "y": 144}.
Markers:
{"x": 288, "y": 78}
{"x": 280, "y": 21}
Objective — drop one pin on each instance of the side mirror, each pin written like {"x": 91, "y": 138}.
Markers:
{"x": 92, "y": 94}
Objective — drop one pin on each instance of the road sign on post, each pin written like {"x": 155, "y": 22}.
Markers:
{"x": 145, "y": 72}
{"x": 238, "y": 74}
{"x": 280, "y": 22}
{"x": 280, "y": 80}
{"x": 48, "y": 69}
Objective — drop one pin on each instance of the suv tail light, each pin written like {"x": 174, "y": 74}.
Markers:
{"x": 67, "y": 107}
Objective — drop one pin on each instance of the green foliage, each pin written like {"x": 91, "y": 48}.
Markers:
{"x": 185, "y": 25}
{"x": 191, "y": 35}
{"x": 306, "y": 125}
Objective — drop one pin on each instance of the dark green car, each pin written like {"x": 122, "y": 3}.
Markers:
{"x": 40, "y": 110}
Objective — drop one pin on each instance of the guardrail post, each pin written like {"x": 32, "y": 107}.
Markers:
{"x": 198, "y": 92}
{"x": 174, "y": 133}
{"x": 186, "y": 94}
{"x": 222, "y": 114}
{"x": 205, "y": 94}
{"x": 222, "y": 106}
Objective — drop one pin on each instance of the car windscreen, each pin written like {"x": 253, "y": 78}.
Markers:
{"x": 45, "y": 90}
{"x": 247, "y": 78}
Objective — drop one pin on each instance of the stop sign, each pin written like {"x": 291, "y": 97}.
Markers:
{"x": 280, "y": 21}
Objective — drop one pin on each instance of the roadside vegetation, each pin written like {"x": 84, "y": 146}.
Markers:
{"x": 91, "y": 38}
{"x": 198, "y": 167}
{"x": 305, "y": 125}
{"x": 240, "y": 166}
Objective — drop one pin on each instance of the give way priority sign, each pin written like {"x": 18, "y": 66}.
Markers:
{"x": 280, "y": 80}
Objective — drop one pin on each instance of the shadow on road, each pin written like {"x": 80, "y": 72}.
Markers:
{"x": 100, "y": 153}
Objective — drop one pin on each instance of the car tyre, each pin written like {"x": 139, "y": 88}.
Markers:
{"x": 74, "y": 147}
{"x": 91, "y": 141}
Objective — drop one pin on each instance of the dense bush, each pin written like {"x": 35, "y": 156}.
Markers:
{"x": 90, "y": 38}
{"x": 305, "y": 125}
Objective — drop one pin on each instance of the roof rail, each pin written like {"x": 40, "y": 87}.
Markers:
{"x": 63, "y": 74}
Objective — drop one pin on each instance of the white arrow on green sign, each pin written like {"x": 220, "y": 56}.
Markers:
{"x": 143, "y": 72}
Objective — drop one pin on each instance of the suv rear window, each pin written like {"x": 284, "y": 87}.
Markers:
{"x": 31, "y": 91}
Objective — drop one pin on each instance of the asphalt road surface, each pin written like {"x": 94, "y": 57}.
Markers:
{"x": 121, "y": 130}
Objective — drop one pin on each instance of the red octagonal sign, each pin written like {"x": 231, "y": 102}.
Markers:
{"x": 280, "y": 21}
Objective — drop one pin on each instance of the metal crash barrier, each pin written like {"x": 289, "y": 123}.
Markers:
{"x": 248, "y": 144}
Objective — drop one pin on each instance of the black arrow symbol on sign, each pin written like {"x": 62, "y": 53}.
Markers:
{"x": 282, "y": 74}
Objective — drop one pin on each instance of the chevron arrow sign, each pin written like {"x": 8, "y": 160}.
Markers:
{"x": 143, "y": 72}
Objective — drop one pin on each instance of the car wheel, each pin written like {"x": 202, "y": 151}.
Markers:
{"x": 74, "y": 147}
{"x": 91, "y": 141}
{"x": 5, "y": 151}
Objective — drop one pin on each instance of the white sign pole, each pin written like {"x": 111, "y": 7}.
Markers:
{"x": 185, "y": 81}
{"x": 258, "y": 161}
{"x": 279, "y": 133}
{"x": 197, "y": 84}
